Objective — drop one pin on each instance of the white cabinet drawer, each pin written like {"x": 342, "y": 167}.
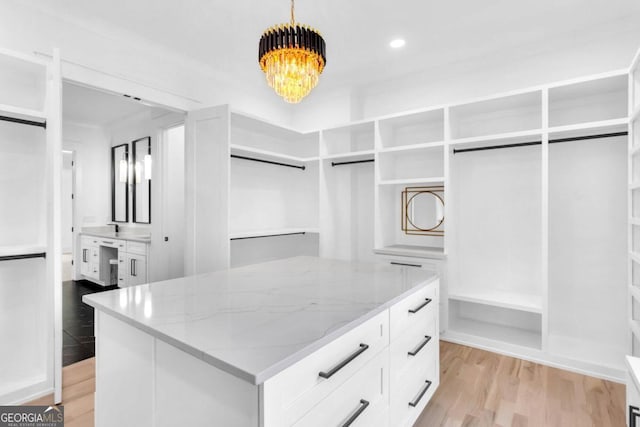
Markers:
{"x": 412, "y": 390}
{"x": 302, "y": 386}
{"x": 137, "y": 248}
{"x": 88, "y": 241}
{"x": 413, "y": 347}
{"x": 112, "y": 243}
{"x": 361, "y": 400}
{"x": 415, "y": 309}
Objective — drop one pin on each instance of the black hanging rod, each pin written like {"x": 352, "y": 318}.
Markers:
{"x": 551, "y": 141}
{"x": 268, "y": 235}
{"x": 23, "y": 256}
{"x": 333, "y": 164}
{"x": 24, "y": 122}
{"x": 235, "y": 156}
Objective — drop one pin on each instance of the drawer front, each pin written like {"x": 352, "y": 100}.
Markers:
{"x": 414, "y": 309}
{"x": 122, "y": 269}
{"x": 88, "y": 241}
{"x": 410, "y": 391}
{"x": 137, "y": 248}
{"x": 302, "y": 386}
{"x": 361, "y": 400}
{"x": 111, "y": 243}
{"x": 413, "y": 347}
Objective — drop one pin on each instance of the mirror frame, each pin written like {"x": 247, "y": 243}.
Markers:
{"x": 407, "y": 196}
{"x": 113, "y": 184}
{"x": 146, "y": 139}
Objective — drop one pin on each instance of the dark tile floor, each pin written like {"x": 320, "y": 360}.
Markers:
{"x": 78, "y": 341}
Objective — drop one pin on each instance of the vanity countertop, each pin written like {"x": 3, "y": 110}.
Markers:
{"x": 257, "y": 320}
{"x": 120, "y": 236}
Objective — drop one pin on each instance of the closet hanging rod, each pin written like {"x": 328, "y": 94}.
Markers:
{"x": 23, "y": 256}
{"x": 551, "y": 141}
{"x": 333, "y": 164}
{"x": 23, "y": 121}
{"x": 235, "y": 156}
{"x": 268, "y": 235}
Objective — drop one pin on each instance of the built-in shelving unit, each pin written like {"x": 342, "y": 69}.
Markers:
{"x": 30, "y": 263}
{"x": 274, "y": 191}
{"x": 351, "y": 139}
{"x": 633, "y": 210}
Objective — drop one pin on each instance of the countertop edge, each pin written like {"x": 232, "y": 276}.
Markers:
{"x": 105, "y": 236}
{"x": 273, "y": 370}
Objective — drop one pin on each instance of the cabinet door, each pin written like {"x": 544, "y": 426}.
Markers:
{"x": 137, "y": 268}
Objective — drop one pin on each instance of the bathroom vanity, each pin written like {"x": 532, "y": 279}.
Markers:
{"x": 98, "y": 248}
{"x": 304, "y": 341}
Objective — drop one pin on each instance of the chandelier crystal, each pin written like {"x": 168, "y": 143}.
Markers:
{"x": 292, "y": 56}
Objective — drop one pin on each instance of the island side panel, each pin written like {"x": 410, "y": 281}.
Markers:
{"x": 141, "y": 381}
{"x": 190, "y": 392}
{"x": 124, "y": 374}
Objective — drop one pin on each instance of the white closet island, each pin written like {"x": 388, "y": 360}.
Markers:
{"x": 302, "y": 341}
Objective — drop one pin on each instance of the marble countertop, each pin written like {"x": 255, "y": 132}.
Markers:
{"x": 121, "y": 236}
{"x": 256, "y": 321}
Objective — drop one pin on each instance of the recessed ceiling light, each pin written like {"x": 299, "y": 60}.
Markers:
{"x": 397, "y": 43}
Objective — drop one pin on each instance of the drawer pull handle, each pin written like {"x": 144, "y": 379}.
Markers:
{"x": 345, "y": 362}
{"x": 404, "y": 264}
{"x": 634, "y": 413}
{"x": 423, "y": 305}
{"x": 361, "y": 408}
{"x": 427, "y": 338}
{"x": 421, "y": 395}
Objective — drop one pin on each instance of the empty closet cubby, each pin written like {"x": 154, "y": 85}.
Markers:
{"x": 515, "y": 327}
{"x": 412, "y": 129}
{"x": 348, "y": 139}
{"x": 587, "y": 257}
{"x": 590, "y": 101}
{"x": 346, "y": 206}
{"x": 23, "y": 85}
{"x": 425, "y": 164}
{"x": 495, "y": 217}
{"x": 506, "y": 114}
{"x": 249, "y": 134}
{"x": 635, "y": 140}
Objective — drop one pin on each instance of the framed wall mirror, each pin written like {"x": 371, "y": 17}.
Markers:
{"x": 142, "y": 180}
{"x": 423, "y": 211}
{"x": 120, "y": 183}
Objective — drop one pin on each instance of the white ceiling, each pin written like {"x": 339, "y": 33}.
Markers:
{"x": 97, "y": 108}
{"x": 225, "y": 34}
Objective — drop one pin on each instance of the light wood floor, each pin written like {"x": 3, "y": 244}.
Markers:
{"x": 477, "y": 388}
{"x": 78, "y": 388}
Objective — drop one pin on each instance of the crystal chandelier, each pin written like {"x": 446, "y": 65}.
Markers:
{"x": 292, "y": 57}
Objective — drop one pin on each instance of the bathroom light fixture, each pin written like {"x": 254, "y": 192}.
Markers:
{"x": 397, "y": 43}
{"x": 123, "y": 169}
{"x": 292, "y": 56}
{"x": 147, "y": 166}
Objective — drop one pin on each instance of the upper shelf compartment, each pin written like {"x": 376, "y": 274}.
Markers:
{"x": 496, "y": 116}
{"x": 251, "y": 135}
{"x": 590, "y": 101}
{"x": 23, "y": 87}
{"x": 412, "y": 130}
{"x": 359, "y": 137}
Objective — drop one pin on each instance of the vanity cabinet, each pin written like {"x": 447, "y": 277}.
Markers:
{"x": 96, "y": 252}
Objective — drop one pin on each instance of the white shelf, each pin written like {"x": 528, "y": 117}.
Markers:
{"x": 634, "y": 221}
{"x": 244, "y": 150}
{"x": 504, "y": 138}
{"x": 634, "y": 186}
{"x": 434, "y": 180}
{"x": 634, "y": 291}
{"x": 635, "y": 328}
{"x": 268, "y": 233}
{"x": 19, "y": 250}
{"x": 612, "y": 125}
{"x": 635, "y": 114}
{"x": 492, "y": 331}
{"x": 634, "y": 151}
{"x": 496, "y": 298}
{"x": 412, "y": 251}
{"x": 349, "y": 155}
{"x": 22, "y": 113}
{"x": 421, "y": 146}
{"x": 635, "y": 257}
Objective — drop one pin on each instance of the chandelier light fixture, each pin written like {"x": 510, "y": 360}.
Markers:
{"x": 292, "y": 56}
